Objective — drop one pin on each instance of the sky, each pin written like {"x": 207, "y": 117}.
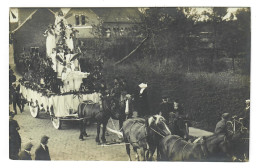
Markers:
{"x": 201, "y": 10}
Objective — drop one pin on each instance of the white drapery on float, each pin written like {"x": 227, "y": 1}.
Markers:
{"x": 63, "y": 105}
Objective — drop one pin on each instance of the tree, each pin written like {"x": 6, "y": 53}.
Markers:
{"x": 216, "y": 20}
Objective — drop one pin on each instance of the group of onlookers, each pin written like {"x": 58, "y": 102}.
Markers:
{"x": 15, "y": 150}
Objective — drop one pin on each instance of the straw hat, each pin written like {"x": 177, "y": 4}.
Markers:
{"x": 142, "y": 85}
{"x": 247, "y": 101}
{"x": 225, "y": 115}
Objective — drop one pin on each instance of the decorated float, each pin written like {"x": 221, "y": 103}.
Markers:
{"x": 53, "y": 81}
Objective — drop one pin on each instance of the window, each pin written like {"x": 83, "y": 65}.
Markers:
{"x": 77, "y": 19}
{"x": 83, "y": 19}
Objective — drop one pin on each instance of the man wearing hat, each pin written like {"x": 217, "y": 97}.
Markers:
{"x": 221, "y": 127}
{"x": 26, "y": 153}
{"x": 14, "y": 137}
{"x": 42, "y": 152}
{"x": 142, "y": 100}
{"x": 16, "y": 97}
{"x": 245, "y": 114}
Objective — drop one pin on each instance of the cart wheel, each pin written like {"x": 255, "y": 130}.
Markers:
{"x": 56, "y": 123}
{"x": 34, "y": 111}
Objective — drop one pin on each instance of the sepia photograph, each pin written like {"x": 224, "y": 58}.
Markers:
{"x": 130, "y": 83}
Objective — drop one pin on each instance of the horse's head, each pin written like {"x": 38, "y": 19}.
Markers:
{"x": 156, "y": 124}
{"x": 201, "y": 147}
{"x": 111, "y": 105}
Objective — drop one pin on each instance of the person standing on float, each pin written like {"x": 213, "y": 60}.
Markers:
{"x": 69, "y": 37}
{"x": 50, "y": 40}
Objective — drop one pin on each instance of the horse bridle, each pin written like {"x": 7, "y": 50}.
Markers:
{"x": 157, "y": 131}
{"x": 204, "y": 153}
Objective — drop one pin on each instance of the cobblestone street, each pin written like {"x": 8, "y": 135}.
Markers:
{"x": 64, "y": 144}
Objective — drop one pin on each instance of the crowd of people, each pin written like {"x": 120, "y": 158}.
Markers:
{"x": 15, "y": 150}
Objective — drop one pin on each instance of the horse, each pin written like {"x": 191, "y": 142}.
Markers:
{"x": 101, "y": 115}
{"x": 239, "y": 140}
{"x": 178, "y": 126}
{"x": 218, "y": 147}
{"x": 144, "y": 135}
{"x": 175, "y": 148}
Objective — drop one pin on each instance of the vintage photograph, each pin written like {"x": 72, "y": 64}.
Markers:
{"x": 129, "y": 83}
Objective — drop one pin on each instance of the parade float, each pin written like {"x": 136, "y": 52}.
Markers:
{"x": 53, "y": 81}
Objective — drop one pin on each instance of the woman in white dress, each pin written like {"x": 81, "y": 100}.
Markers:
{"x": 60, "y": 62}
{"x": 53, "y": 58}
{"x": 50, "y": 40}
{"x": 69, "y": 37}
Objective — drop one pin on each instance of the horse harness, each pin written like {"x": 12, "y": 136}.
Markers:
{"x": 85, "y": 105}
{"x": 182, "y": 153}
{"x": 131, "y": 129}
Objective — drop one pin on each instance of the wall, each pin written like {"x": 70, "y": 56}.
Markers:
{"x": 85, "y": 31}
{"x": 31, "y": 33}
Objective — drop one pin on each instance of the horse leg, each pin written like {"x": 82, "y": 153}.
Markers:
{"x": 159, "y": 158}
{"x": 127, "y": 146}
{"x": 136, "y": 154}
{"x": 84, "y": 132}
{"x": 142, "y": 154}
{"x": 150, "y": 153}
{"x": 147, "y": 155}
{"x": 103, "y": 138}
{"x": 98, "y": 132}
{"x": 81, "y": 128}
{"x": 120, "y": 122}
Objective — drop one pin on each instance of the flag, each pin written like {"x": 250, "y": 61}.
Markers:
{"x": 13, "y": 15}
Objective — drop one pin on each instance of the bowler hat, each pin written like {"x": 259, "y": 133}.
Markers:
{"x": 44, "y": 139}
{"x": 28, "y": 146}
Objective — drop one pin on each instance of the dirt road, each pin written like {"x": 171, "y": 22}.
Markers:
{"x": 64, "y": 144}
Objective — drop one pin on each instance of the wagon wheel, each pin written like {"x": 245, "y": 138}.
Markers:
{"x": 56, "y": 122}
{"x": 34, "y": 110}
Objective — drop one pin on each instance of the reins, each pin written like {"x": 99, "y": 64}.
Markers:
{"x": 183, "y": 150}
{"x": 141, "y": 127}
{"x": 157, "y": 132}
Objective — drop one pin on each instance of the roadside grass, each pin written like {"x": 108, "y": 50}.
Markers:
{"x": 205, "y": 96}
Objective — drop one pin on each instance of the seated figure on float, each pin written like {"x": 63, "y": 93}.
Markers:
{"x": 60, "y": 61}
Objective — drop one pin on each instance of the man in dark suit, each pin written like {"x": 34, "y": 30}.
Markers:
{"x": 26, "y": 153}
{"x": 14, "y": 137}
{"x": 142, "y": 101}
{"x": 42, "y": 152}
{"x": 16, "y": 97}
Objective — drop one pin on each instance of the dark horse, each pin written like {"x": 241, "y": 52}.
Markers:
{"x": 218, "y": 147}
{"x": 144, "y": 135}
{"x": 178, "y": 126}
{"x": 239, "y": 138}
{"x": 101, "y": 115}
{"x": 175, "y": 148}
